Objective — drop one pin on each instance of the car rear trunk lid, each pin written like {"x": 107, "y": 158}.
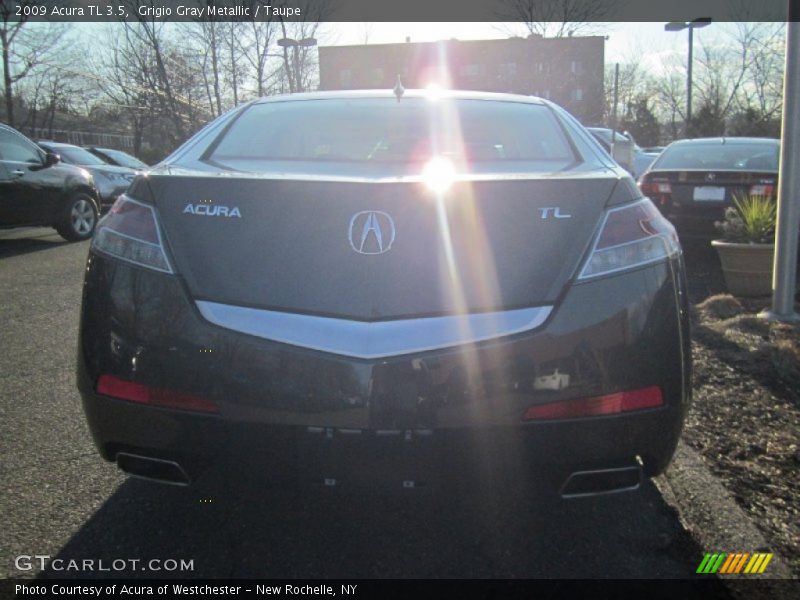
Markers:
{"x": 370, "y": 251}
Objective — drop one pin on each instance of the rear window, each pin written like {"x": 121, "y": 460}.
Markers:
{"x": 605, "y": 135}
{"x": 126, "y": 160}
{"x": 78, "y": 156}
{"x": 384, "y": 130}
{"x": 745, "y": 157}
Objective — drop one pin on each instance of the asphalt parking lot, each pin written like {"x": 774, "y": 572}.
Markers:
{"x": 60, "y": 499}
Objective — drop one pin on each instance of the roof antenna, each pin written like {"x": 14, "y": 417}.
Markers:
{"x": 399, "y": 90}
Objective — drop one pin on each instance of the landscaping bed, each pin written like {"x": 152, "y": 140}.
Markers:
{"x": 745, "y": 419}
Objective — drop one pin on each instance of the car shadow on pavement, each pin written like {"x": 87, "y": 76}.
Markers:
{"x": 703, "y": 269}
{"x": 241, "y": 529}
{"x": 33, "y": 241}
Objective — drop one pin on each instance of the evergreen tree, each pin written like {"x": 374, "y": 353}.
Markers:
{"x": 642, "y": 123}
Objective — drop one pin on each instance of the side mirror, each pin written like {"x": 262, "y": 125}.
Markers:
{"x": 51, "y": 158}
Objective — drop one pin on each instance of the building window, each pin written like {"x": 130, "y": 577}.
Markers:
{"x": 508, "y": 70}
{"x": 576, "y": 67}
{"x": 345, "y": 77}
{"x": 577, "y": 95}
{"x": 377, "y": 75}
{"x": 472, "y": 70}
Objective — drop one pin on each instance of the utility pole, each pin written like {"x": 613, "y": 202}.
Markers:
{"x": 614, "y": 111}
{"x": 680, "y": 26}
{"x": 784, "y": 274}
{"x": 689, "y": 83}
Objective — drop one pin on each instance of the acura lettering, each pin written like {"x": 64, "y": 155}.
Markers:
{"x": 212, "y": 210}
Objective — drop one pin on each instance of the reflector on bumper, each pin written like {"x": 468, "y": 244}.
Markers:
{"x": 108, "y": 385}
{"x": 610, "y": 404}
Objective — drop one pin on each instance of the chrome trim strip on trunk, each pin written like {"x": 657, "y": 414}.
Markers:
{"x": 372, "y": 340}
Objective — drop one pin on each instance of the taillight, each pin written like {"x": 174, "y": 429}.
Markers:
{"x": 655, "y": 188}
{"x": 610, "y": 404}
{"x": 130, "y": 232}
{"x": 631, "y": 236}
{"x": 108, "y": 385}
{"x": 766, "y": 189}
{"x": 659, "y": 192}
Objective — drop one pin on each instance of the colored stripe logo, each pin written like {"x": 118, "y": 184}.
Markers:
{"x": 734, "y": 563}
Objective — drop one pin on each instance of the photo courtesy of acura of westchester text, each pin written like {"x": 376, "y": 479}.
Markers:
{"x": 303, "y": 290}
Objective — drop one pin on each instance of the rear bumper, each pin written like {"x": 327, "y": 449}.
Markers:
{"x": 618, "y": 333}
{"x": 548, "y": 451}
{"x": 694, "y": 220}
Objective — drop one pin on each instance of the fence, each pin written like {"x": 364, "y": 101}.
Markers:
{"x": 81, "y": 138}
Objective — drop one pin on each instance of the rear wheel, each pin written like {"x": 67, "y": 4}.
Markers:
{"x": 78, "y": 219}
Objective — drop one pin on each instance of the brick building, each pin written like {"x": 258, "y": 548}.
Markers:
{"x": 567, "y": 70}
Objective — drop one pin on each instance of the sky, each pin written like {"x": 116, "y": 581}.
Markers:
{"x": 646, "y": 41}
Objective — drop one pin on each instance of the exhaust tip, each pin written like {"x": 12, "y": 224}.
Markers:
{"x": 152, "y": 469}
{"x": 600, "y": 482}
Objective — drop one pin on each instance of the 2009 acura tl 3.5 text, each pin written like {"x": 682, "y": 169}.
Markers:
{"x": 470, "y": 272}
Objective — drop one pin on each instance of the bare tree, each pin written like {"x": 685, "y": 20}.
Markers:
{"x": 153, "y": 80}
{"x": 761, "y": 91}
{"x": 125, "y": 81}
{"x": 35, "y": 93}
{"x": 670, "y": 89}
{"x": 150, "y": 32}
{"x": 25, "y": 46}
{"x": 557, "y": 18}
{"x": 737, "y": 73}
{"x": 737, "y": 78}
{"x": 255, "y": 48}
{"x": 301, "y": 63}
{"x": 59, "y": 91}
{"x": 221, "y": 46}
{"x": 634, "y": 84}
{"x": 207, "y": 37}
{"x": 236, "y": 70}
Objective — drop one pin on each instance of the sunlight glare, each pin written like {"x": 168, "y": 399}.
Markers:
{"x": 439, "y": 174}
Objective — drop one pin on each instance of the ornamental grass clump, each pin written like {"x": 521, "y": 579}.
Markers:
{"x": 750, "y": 221}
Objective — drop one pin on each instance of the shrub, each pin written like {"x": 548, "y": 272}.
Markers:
{"x": 751, "y": 220}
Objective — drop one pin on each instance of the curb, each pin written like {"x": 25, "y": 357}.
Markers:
{"x": 712, "y": 517}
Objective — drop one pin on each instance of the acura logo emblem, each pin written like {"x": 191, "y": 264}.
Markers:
{"x": 371, "y": 232}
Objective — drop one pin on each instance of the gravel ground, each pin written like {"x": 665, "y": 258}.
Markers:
{"x": 746, "y": 413}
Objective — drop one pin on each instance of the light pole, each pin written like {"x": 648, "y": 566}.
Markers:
{"x": 691, "y": 26}
{"x": 295, "y": 83}
{"x": 784, "y": 274}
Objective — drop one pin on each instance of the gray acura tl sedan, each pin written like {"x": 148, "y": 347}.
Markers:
{"x": 338, "y": 274}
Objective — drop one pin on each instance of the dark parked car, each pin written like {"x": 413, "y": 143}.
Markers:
{"x": 693, "y": 181}
{"x": 117, "y": 157}
{"x": 340, "y": 276}
{"x": 37, "y": 189}
{"x": 111, "y": 181}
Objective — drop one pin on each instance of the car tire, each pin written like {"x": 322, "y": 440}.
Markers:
{"x": 79, "y": 218}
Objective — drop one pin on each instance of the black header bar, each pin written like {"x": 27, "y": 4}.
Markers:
{"x": 395, "y": 10}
